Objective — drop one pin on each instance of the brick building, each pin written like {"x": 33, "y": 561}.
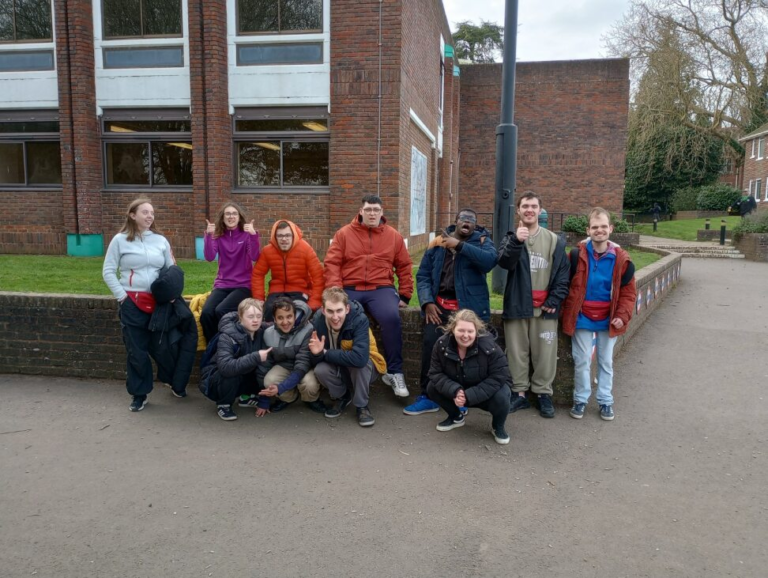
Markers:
{"x": 295, "y": 110}
{"x": 572, "y": 131}
{"x": 755, "y": 169}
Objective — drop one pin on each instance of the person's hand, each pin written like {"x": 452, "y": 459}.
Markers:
{"x": 402, "y": 304}
{"x": 522, "y": 233}
{"x": 450, "y": 242}
{"x": 617, "y": 323}
{"x": 548, "y": 309}
{"x": 210, "y": 229}
{"x": 263, "y": 354}
{"x": 261, "y": 412}
{"x": 316, "y": 345}
{"x": 269, "y": 391}
{"x": 432, "y": 314}
{"x": 461, "y": 399}
{"x": 249, "y": 228}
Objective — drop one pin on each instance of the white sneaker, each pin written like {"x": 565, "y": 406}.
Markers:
{"x": 397, "y": 382}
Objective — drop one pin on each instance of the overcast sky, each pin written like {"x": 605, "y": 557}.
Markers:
{"x": 549, "y": 29}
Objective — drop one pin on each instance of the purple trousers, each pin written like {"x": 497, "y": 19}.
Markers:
{"x": 384, "y": 306}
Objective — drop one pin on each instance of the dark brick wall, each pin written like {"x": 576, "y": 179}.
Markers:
{"x": 572, "y": 123}
{"x": 754, "y": 246}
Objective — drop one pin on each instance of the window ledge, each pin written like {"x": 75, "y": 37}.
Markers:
{"x": 145, "y": 190}
{"x": 10, "y": 188}
{"x": 282, "y": 191}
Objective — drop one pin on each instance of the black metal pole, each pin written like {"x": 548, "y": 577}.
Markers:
{"x": 722, "y": 232}
{"x": 506, "y": 143}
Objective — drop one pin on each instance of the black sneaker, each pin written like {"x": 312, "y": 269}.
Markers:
{"x": 546, "y": 409}
{"x": 225, "y": 412}
{"x": 279, "y": 405}
{"x": 518, "y": 402}
{"x": 500, "y": 435}
{"x": 340, "y": 405}
{"x": 175, "y": 393}
{"x": 138, "y": 402}
{"x": 364, "y": 417}
{"x": 316, "y": 406}
{"x": 450, "y": 423}
{"x": 248, "y": 401}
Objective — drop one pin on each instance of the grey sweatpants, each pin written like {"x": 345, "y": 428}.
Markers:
{"x": 532, "y": 340}
{"x": 337, "y": 379}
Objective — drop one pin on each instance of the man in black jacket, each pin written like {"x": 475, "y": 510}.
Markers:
{"x": 344, "y": 354}
{"x": 537, "y": 284}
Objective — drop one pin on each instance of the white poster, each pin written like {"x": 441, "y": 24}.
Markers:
{"x": 418, "y": 192}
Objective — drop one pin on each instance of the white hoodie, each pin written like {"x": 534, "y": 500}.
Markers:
{"x": 139, "y": 262}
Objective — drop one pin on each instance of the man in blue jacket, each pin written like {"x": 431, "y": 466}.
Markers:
{"x": 452, "y": 276}
{"x": 344, "y": 354}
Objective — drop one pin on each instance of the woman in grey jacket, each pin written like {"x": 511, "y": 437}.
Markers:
{"x": 133, "y": 262}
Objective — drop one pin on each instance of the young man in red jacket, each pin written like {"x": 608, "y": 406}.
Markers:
{"x": 361, "y": 260}
{"x": 600, "y": 303}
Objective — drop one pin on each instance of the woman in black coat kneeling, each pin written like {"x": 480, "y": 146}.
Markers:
{"x": 469, "y": 369}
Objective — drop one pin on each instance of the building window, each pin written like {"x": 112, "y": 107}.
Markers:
{"x": 283, "y": 53}
{"x": 279, "y": 16}
{"x": 281, "y": 148}
{"x": 25, "y": 20}
{"x": 141, "y": 18}
{"x": 758, "y": 189}
{"x": 754, "y": 146}
{"x": 30, "y": 155}
{"x": 760, "y": 148}
{"x": 147, "y": 149}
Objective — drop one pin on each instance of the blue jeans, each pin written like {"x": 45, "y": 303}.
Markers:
{"x": 582, "y": 360}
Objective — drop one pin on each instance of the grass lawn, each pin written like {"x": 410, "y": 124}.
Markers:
{"x": 82, "y": 275}
{"x": 684, "y": 230}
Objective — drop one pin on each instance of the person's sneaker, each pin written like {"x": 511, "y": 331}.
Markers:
{"x": 279, "y": 405}
{"x": 606, "y": 412}
{"x": 518, "y": 402}
{"x": 397, "y": 382}
{"x": 364, "y": 417}
{"x": 138, "y": 402}
{"x": 577, "y": 411}
{"x": 248, "y": 401}
{"x": 422, "y": 405}
{"x": 464, "y": 411}
{"x": 317, "y": 406}
{"x": 225, "y": 412}
{"x": 340, "y": 405}
{"x": 546, "y": 409}
{"x": 178, "y": 394}
{"x": 500, "y": 435}
{"x": 450, "y": 423}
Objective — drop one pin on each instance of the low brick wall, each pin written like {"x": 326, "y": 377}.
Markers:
{"x": 79, "y": 336}
{"x": 684, "y": 215}
{"x": 754, "y": 246}
{"x": 712, "y": 235}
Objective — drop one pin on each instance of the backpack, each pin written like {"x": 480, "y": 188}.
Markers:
{"x": 210, "y": 351}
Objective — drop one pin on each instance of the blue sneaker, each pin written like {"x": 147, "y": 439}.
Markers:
{"x": 422, "y": 405}
{"x": 606, "y": 412}
{"x": 577, "y": 411}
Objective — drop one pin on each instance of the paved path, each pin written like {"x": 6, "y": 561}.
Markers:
{"x": 674, "y": 487}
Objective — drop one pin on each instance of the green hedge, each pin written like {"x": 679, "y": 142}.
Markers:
{"x": 754, "y": 223}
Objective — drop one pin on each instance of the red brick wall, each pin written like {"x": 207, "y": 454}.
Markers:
{"x": 572, "y": 123}
{"x": 755, "y": 168}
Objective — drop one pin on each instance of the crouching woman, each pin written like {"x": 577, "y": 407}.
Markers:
{"x": 237, "y": 368}
{"x": 468, "y": 369}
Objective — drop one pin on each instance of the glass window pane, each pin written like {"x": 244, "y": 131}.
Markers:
{"x": 301, "y": 14}
{"x": 26, "y": 60}
{"x": 162, "y": 17}
{"x": 172, "y": 163}
{"x": 305, "y": 164}
{"x": 128, "y": 126}
{"x": 257, "y": 16}
{"x": 29, "y": 127}
{"x": 44, "y": 163}
{"x": 6, "y": 20}
{"x": 11, "y": 163}
{"x": 258, "y": 164}
{"x": 122, "y": 18}
{"x": 303, "y": 53}
{"x": 151, "y": 57}
{"x": 127, "y": 164}
{"x": 283, "y": 124}
{"x": 33, "y": 20}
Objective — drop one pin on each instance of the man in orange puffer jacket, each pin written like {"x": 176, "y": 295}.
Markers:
{"x": 296, "y": 271}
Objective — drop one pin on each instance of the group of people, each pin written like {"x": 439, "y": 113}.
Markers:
{"x": 309, "y": 329}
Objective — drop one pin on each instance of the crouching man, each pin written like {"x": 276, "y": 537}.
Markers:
{"x": 345, "y": 358}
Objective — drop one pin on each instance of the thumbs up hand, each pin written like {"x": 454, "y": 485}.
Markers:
{"x": 522, "y": 233}
{"x": 210, "y": 228}
{"x": 249, "y": 228}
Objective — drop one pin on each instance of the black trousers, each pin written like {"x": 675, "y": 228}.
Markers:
{"x": 497, "y": 406}
{"x": 225, "y": 390}
{"x": 432, "y": 333}
{"x": 219, "y": 303}
{"x": 140, "y": 344}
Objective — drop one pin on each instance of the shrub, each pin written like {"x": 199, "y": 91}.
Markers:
{"x": 619, "y": 225}
{"x": 685, "y": 199}
{"x": 575, "y": 224}
{"x": 717, "y": 197}
{"x": 754, "y": 223}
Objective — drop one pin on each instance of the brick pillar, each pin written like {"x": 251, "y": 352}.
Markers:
{"x": 81, "y": 171}
{"x": 354, "y": 155}
{"x": 211, "y": 122}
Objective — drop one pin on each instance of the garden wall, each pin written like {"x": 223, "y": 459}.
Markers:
{"x": 754, "y": 246}
{"x": 79, "y": 336}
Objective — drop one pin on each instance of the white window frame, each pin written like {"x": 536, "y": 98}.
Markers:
{"x": 760, "y": 149}
{"x": 754, "y": 141}
{"x": 758, "y": 189}
{"x": 749, "y": 190}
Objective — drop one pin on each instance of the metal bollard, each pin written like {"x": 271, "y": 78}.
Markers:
{"x": 722, "y": 231}
{"x": 706, "y": 225}
{"x": 655, "y": 223}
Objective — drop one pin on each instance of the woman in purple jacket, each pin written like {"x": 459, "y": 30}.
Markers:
{"x": 237, "y": 245}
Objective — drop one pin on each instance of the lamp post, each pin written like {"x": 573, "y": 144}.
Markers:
{"x": 506, "y": 143}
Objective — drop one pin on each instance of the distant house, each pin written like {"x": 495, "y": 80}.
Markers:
{"x": 755, "y": 168}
